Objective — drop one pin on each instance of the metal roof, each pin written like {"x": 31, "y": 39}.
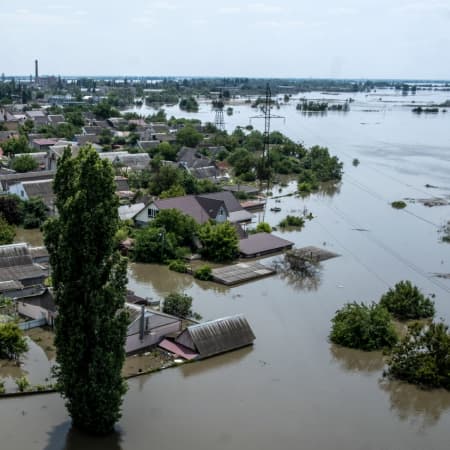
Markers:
{"x": 217, "y": 336}
{"x": 261, "y": 243}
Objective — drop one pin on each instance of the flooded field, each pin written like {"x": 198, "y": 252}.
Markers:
{"x": 293, "y": 389}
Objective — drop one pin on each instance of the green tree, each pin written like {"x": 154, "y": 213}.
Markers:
{"x": 34, "y": 213}
{"x": 89, "y": 279}
{"x": 357, "y": 325}
{"x": 179, "y": 305}
{"x": 7, "y": 232}
{"x": 16, "y": 145}
{"x": 154, "y": 245}
{"x": 12, "y": 341}
{"x": 24, "y": 163}
{"x": 164, "y": 179}
{"x": 184, "y": 227}
{"x": 324, "y": 166}
{"x": 219, "y": 241}
{"x": 405, "y": 302}
{"x": 422, "y": 356}
{"x": 189, "y": 136}
{"x": 174, "y": 191}
{"x": 11, "y": 208}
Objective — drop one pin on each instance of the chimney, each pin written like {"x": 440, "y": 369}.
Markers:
{"x": 36, "y": 71}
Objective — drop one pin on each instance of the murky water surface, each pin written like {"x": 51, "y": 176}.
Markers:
{"x": 293, "y": 389}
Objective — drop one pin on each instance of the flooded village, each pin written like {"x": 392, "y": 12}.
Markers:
{"x": 250, "y": 362}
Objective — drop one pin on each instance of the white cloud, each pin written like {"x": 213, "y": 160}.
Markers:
{"x": 23, "y": 17}
{"x": 263, "y": 8}
{"x": 343, "y": 11}
{"x": 230, "y": 10}
{"x": 164, "y": 5}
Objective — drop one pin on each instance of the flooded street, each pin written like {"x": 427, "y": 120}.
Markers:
{"x": 293, "y": 389}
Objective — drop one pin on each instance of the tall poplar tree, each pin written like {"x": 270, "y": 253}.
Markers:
{"x": 89, "y": 279}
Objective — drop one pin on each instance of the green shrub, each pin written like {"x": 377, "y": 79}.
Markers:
{"x": 178, "y": 305}
{"x": 22, "y": 384}
{"x": 219, "y": 241}
{"x": 422, "y": 357}
{"x": 357, "y": 325}
{"x": 12, "y": 341}
{"x": 263, "y": 227}
{"x": 204, "y": 273}
{"x": 405, "y": 302}
{"x": 7, "y": 232}
{"x": 177, "y": 265}
{"x": 398, "y": 204}
{"x": 292, "y": 221}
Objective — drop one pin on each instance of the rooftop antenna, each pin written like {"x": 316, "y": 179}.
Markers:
{"x": 264, "y": 172}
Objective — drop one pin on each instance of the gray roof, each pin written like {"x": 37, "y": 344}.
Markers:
{"x": 83, "y": 139}
{"x": 16, "y": 263}
{"x": 241, "y": 188}
{"x": 129, "y": 211}
{"x": 44, "y": 299}
{"x": 39, "y": 157}
{"x": 228, "y": 198}
{"x": 192, "y": 158}
{"x": 261, "y": 243}
{"x": 217, "y": 336}
{"x": 15, "y": 255}
{"x": 55, "y": 118}
{"x": 21, "y": 273}
{"x": 42, "y": 189}
{"x": 121, "y": 184}
{"x": 12, "y": 178}
{"x": 189, "y": 204}
{"x": 205, "y": 172}
{"x": 11, "y": 285}
{"x": 38, "y": 252}
{"x": 134, "y": 160}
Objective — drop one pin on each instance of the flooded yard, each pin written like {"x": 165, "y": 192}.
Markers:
{"x": 293, "y": 389}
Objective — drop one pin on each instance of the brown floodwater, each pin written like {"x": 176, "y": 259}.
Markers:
{"x": 293, "y": 389}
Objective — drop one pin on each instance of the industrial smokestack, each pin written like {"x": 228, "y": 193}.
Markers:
{"x": 36, "y": 71}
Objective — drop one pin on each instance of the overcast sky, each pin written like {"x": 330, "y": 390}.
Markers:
{"x": 271, "y": 38}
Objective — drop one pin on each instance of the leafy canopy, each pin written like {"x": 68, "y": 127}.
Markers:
{"x": 423, "y": 356}
{"x": 219, "y": 241}
{"x": 89, "y": 279}
{"x": 357, "y": 325}
{"x": 12, "y": 341}
{"x": 405, "y": 302}
{"x": 179, "y": 305}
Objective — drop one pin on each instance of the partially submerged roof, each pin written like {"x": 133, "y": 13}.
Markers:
{"x": 262, "y": 244}
{"x": 217, "y": 336}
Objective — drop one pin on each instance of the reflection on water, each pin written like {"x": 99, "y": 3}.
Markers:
{"x": 32, "y": 237}
{"x": 66, "y": 437}
{"x": 412, "y": 404}
{"x": 216, "y": 362}
{"x": 158, "y": 279}
{"x": 352, "y": 360}
{"x": 306, "y": 279}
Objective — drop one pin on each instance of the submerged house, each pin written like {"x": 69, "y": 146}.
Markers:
{"x": 217, "y": 336}
{"x": 147, "y": 328}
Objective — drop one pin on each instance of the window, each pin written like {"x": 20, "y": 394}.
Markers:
{"x": 152, "y": 213}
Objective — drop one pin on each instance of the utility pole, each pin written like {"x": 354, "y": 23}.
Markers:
{"x": 265, "y": 169}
